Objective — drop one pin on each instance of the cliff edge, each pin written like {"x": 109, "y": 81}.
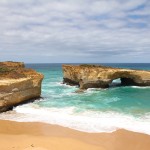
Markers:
{"x": 18, "y": 84}
{"x": 92, "y": 76}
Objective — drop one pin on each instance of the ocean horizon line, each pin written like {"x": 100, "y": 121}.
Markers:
{"x": 89, "y": 63}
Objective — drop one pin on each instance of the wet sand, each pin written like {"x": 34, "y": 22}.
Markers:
{"x": 40, "y": 136}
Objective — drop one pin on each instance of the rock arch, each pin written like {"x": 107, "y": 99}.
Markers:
{"x": 127, "y": 79}
{"x": 91, "y": 76}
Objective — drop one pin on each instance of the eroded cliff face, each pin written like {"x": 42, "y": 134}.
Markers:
{"x": 18, "y": 84}
{"x": 91, "y": 76}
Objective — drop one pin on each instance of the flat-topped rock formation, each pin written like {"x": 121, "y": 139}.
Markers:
{"x": 18, "y": 84}
{"x": 92, "y": 76}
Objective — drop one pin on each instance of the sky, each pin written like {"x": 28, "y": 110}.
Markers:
{"x": 75, "y": 31}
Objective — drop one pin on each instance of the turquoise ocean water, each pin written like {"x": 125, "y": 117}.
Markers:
{"x": 96, "y": 110}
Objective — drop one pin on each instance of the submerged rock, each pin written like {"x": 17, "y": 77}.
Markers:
{"x": 80, "y": 91}
{"x": 18, "y": 84}
{"x": 93, "y": 76}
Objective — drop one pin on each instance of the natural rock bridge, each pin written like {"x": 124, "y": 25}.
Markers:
{"x": 92, "y": 76}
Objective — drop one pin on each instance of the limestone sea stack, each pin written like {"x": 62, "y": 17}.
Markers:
{"x": 18, "y": 84}
{"x": 97, "y": 76}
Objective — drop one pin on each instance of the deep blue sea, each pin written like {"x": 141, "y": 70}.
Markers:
{"x": 96, "y": 110}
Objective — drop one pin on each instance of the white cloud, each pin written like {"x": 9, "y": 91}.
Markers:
{"x": 81, "y": 29}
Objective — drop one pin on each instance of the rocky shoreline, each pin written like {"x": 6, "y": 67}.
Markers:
{"x": 93, "y": 76}
{"x": 18, "y": 84}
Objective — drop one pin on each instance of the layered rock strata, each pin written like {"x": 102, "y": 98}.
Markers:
{"x": 92, "y": 76}
{"x": 18, "y": 84}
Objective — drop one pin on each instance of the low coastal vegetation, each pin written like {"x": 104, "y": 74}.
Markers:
{"x": 94, "y": 65}
{"x": 4, "y": 69}
{"x": 6, "y": 72}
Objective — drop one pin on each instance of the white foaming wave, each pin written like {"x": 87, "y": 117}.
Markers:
{"x": 111, "y": 100}
{"x": 66, "y": 85}
{"x": 89, "y": 121}
{"x": 61, "y": 84}
{"x": 116, "y": 81}
{"x": 93, "y": 90}
{"x": 141, "y": 87}
{"x": 62, "y": 95}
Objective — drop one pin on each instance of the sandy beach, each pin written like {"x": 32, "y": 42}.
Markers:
{"x": 39, "y": 136}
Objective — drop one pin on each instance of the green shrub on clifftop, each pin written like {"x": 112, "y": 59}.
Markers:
{"x": 4, "y": 69}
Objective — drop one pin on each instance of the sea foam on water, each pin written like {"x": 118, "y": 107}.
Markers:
{"x": 90, "y": 121}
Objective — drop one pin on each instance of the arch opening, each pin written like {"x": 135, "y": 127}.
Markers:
{"x": 115, "y": 83}
{"x": 122, "y": 81}
{"x": 127, "y": 81}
